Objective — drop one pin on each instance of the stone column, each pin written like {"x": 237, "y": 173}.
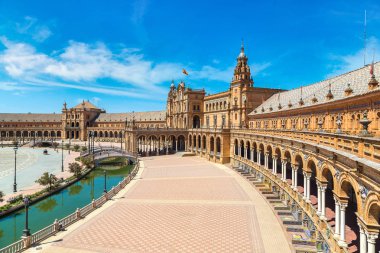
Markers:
{"x": 167, "y": 146}
{"x": 284, "y": 162}
{"x": 363, "y": 239}
{"x": 258, "y": 157}
{"x": 239, "y": 150}
{"x": 176, "y": 145}
{"x": 274, "y": 165}
{"x": 337, "y": 218}
{"x": 304, "y": 186}
{"x": 245, "y": 153}
{"x": 342, "y": 239}
{"x": 234, "y": 147}
{"x": 295, "y": 178}
{"x": 308, "y": 187}
{"x": 371, "y": 239}
{"x": 252, "y": 155}
{"x": 323, "y": 202}
{"x": 319, "y": 199}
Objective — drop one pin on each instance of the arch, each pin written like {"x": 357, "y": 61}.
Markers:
{"x": 196, "y": 121}
{"x": 218, "y": 146}
{"x": 212, "y": 144}
{"x": 241, "y": 148}
{"x": 248, "y": 145}
{"x": 236, "y": 151}
{"x": 372, "y": 209}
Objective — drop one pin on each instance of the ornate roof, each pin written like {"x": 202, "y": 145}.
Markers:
{"x": 329, "y": 90}
{"x": 139, "y": 116}
{"x": 87, "y": 105}
{"x": 30, "y": 117}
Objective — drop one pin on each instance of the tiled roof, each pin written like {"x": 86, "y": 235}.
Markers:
{"x": 86, "y": 104}
{"x": 139, "y": 116}
{"x": 30, "y": 117}
{"x": 314, "y": 94}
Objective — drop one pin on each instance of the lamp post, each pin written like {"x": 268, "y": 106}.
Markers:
{"x": 26, "y": 231}
{"x": 105, "y": 181}
{"x": 15, "y": 183}
{"x": 69, "y": 145}
{"x": 62, "y": 157}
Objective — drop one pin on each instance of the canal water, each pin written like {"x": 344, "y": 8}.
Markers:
{"x": 61, "y": 204}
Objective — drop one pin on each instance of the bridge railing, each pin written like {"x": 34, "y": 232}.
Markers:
{"x": 58, "y": 225}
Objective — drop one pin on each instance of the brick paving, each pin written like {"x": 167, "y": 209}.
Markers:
{"x": 171, "y": 209}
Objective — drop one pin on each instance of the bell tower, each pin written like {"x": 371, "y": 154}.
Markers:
{"x": 241, "y": 85}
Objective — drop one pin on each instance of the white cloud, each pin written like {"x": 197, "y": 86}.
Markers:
{"x": 349, "y": 62}
{"x": 31, "y": 26}
{"x": 93, "y": 67}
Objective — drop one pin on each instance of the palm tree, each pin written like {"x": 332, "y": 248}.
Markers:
{"x": 47, "y": 179}
{"x": 1, "y": 196}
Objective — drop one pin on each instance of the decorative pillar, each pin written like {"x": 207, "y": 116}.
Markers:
{"x": 319, "y": 199}
{"x": 274, "y": 165}
{"x": 308, "y": 187}
{"x": 342, "y": 239}
{"x": 239, "y": 150}
{"x": 296, "y": 178}
{"x": 337, "y": 218}
{"x": 245, "y": 153}
{"x": 252, "y": 155}
{"x": 371, "y": 239}
{"x": 323, "y": 202}
{"x": 304, "y": 185}
{"x": 176, "y": 145}
{"x": 363, "y": 239}
{"x": 284, "y": 162}
{"x": 258, "y": 157}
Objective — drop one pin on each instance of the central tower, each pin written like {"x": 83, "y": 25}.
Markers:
{"x": 241, "y": 84}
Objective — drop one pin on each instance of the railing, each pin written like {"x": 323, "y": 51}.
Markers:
{"x": 308, "y": 209}
{"x": 43, "y": 233}
{"x": 54, "y": 228}
{"x": 365, "y": 147}
{"x": 14, "y": 247}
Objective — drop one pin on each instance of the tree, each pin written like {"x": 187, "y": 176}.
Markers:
{"x": 55, "y": 145}
{"x": 88, "y": 162}
{"x": 75, "y": 168}
{"x": 76, "y": 147}
{"x": 84, "y": 148}
{"x": 67, "y": 146}
{"x": 1, "y": 196}
{"x": 47, "y": 179}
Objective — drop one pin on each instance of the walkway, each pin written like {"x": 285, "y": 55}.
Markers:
{"x": 180, "y": 204}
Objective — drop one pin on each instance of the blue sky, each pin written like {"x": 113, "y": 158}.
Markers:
{"x": 122, "y": 55}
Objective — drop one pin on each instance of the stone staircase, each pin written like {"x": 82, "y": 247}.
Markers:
{"x": 299, "y": 236}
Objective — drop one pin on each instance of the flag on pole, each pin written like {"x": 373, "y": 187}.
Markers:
{"x": 371, "y": 69}
{"x": 185, "y": 72}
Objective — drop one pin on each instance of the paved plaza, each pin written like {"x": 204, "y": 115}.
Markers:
{"x": 178, "y": 204}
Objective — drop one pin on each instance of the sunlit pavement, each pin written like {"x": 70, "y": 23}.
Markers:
{"x": 179, "y": 204}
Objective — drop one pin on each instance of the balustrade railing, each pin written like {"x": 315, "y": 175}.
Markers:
{"x": 52, "y": 229}
{"x": 322, "y": 225}
{"x": 14, "y": 247}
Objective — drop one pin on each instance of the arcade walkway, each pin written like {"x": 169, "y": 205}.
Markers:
{"x": 178, "y": 204}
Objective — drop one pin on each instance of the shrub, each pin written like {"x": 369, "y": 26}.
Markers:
{"x": 76, "y": 147}
{"x": 75, "y": 168}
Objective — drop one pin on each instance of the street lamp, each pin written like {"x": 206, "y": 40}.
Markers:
{"x": 14, "y": 183}
{"x": 69, "y": 145}
{"x": 62, "y": 157}
{"x": 105, "y": 181}
{"x": 26, "y": 231}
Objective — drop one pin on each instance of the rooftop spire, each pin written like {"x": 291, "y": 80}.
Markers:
{"x": 242, "y": 54}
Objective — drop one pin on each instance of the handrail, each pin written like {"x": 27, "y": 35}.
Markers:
{"x": 54, "y": 228}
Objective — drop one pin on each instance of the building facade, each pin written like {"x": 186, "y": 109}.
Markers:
{"x": 317, "y": 146}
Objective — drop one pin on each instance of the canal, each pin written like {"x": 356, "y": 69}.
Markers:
{"x": 61, "y": 204}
